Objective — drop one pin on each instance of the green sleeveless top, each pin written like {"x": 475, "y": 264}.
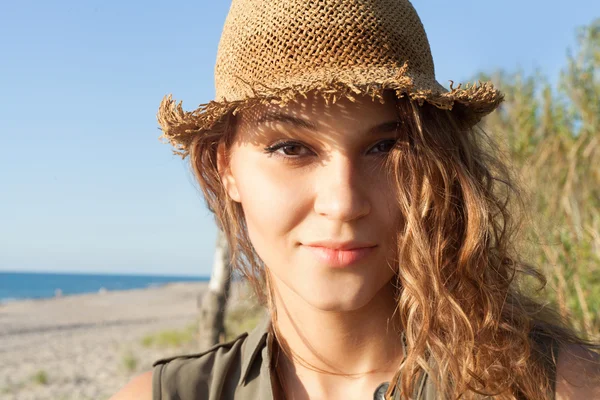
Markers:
{"x": 240, "y": 369}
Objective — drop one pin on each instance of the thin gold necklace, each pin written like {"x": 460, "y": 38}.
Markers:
{"x": 279, "y": 390}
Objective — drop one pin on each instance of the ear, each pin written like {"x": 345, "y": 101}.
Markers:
{"x": 227, "y": 179}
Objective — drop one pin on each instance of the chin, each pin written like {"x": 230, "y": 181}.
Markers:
{"x": 337, "y": 306}
{"x": 332, "y": 290}
{"x": 339, "y": 299}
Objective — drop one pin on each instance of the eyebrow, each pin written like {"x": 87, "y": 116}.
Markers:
{"x": 286, "y": 119}
{"x": 385, "y": 127}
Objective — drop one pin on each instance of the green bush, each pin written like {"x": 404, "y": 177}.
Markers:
{"x": 40, "y": 377}
{"x": 130, "y": 362}
{"x": 171, "y": 338}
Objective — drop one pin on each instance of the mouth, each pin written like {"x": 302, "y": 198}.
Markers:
{"x": 340, "y": 255}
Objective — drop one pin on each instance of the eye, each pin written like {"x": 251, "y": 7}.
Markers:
{"x": 288, "y": 149}
{"x": 385, "y": 146}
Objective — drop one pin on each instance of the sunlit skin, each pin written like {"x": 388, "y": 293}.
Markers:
{"x": 326, "y": 183}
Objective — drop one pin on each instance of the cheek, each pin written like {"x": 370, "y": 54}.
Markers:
{"x": 384, "y": 200}
{"x": 274, "y": 202}
{"x": 387, "y": 216}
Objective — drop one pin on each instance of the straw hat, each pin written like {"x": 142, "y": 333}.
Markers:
{"x": 272, "y": 51}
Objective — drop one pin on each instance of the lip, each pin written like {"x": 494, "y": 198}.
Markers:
{"x": 340, "y": 245}
{"x": 340, "y": 254}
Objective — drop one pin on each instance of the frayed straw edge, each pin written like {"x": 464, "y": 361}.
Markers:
{"x": 179, "y": 126}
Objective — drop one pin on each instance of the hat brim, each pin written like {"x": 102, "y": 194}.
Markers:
{"x": 179, "y": 127}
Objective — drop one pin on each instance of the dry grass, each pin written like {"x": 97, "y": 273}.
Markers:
{"x": 552, "y": 141}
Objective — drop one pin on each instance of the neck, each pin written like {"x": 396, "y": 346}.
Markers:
{"x": 337, "y": 349}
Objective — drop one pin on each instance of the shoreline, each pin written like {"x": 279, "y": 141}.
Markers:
{"x": 101, "y": 291}
{"x": 49, "y": 285}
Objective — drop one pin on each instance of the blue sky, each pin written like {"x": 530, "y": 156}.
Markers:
{"x": 85, "y": 185}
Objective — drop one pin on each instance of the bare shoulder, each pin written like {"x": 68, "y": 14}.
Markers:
{"x": 139, "y": 388}
{"x": 577, "y": 373}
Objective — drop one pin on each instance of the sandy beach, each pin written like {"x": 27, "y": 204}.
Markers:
{"x": 88, "y": 346}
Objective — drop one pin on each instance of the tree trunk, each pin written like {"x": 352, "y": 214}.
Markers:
{"x": 211, "y": 328}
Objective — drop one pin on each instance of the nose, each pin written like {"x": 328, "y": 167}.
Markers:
{"x": 342, "y": 193}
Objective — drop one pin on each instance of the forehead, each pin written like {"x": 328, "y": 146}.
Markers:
{"x": 317, "y": 114}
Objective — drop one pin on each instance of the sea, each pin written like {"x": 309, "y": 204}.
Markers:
{"x": 33, "y": 285}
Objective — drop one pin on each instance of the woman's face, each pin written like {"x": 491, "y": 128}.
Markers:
{"x": 319, "y": 206}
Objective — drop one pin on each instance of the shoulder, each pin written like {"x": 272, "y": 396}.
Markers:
{"x": 208, "y": 357}
{"x": 178, "y": 375}
{"x": 139, "y": 387}
{"x": 577, "y": 373}
{"x": 205, "y": 375}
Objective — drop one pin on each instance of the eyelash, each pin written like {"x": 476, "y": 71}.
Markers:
{"x": 273, "y": 149}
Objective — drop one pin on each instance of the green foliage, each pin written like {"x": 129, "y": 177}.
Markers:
{"x": 130, "y": 362}
{"x": 171, "y": 338}
{"x": 552, "y": 139}
{"x": 242, "y": 318}
{"x": 40, "y": 377}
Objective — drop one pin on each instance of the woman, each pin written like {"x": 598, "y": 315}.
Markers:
{"x": 371, "y": 214}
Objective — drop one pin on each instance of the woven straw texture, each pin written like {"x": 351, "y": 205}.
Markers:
{"x": 272, "y": 51}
